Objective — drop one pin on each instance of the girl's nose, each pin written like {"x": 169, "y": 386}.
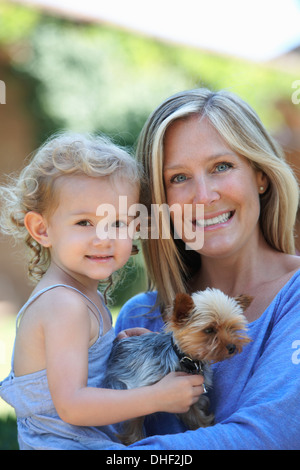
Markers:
{"x": 101, "y": 241}
{"x": 102, "y": 237}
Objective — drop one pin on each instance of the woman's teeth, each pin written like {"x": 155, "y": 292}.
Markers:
{"x": 220, "y": 219}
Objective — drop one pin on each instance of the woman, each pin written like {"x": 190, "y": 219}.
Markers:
{"x": 211, "y": 149}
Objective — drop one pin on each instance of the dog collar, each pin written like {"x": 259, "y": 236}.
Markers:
{"x": 188, "y": 364}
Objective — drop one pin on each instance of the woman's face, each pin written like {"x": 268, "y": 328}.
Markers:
{"x": 200, "y": 168}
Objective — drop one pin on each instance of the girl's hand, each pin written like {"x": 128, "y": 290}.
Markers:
{"x": 179, "y": 391}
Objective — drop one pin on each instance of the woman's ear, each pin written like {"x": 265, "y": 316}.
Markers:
{"x": 37, "y": 226}
{"x": 262, "y": 182}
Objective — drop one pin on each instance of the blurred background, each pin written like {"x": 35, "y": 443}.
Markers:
{"x": 104, "y": 66}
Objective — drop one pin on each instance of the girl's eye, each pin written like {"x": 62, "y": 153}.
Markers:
{"x": 119, "y": 224}
{"x": 221, "y": 167}
{"x": 178, "y": 178}
{"x": 84, "y": 223}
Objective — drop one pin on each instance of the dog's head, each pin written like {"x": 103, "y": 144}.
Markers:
{"x": 209, "y": 325}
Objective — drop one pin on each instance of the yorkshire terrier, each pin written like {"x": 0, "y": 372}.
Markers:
{"x": 201, "y": 329}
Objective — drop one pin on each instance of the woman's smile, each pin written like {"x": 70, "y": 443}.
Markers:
{"x": 201, "y": 169}
{"x": 215, "y": 221}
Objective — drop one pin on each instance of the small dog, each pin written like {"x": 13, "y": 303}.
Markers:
{"x": 201, "y": 329}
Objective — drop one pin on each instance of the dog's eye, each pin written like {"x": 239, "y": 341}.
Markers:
{"x": 209, "y": 331}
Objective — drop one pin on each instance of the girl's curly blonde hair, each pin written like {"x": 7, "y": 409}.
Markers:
{"x": 34, "y": 188}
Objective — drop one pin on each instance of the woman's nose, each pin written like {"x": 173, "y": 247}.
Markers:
{"x": 205, "y": 191}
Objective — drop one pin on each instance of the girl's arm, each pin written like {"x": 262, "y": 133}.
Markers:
{"x": 67, "y": 337}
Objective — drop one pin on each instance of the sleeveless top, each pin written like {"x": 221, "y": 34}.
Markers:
{"x": 39, "y": 426}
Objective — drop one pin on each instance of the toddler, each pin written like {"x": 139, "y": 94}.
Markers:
{"x": 64, "y": 331}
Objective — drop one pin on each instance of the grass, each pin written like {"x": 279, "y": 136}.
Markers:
{"x": 8, "y": 428}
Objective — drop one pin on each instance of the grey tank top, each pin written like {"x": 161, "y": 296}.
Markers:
{"x": 39, "y": 426}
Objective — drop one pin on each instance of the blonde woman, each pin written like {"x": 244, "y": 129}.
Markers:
{"x": 201, "y": 148}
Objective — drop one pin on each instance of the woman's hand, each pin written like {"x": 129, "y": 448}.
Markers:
{"x": 138, "y": 331}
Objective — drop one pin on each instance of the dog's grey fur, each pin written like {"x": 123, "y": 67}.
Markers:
{"x": 206, "y": 327}
{"x": 143, "y": 360}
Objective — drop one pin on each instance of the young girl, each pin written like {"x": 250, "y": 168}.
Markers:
{"x": 64, "y": 331}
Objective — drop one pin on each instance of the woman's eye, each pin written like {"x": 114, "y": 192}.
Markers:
{"x": 178, "y": 179}
{"x": 223, "y": 167}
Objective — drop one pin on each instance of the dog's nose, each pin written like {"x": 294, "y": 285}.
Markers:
{"x": 231, "y": 348}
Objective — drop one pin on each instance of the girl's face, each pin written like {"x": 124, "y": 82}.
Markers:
{"x": 200, "y": 168}
{"x": 79, "y": 240}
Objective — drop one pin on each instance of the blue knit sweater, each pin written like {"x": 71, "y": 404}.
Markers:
{"x": 256, "y": 394}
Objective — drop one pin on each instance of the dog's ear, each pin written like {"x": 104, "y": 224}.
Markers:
{"x": 244, "y": 301}
{"x": 183, "y": 304}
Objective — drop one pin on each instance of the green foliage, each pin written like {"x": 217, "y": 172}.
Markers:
{"x": 90, "y": 78}
{"x": 16, "y": 22}
{"x": 8, "y": 433}
{"x": 130, "y": 280}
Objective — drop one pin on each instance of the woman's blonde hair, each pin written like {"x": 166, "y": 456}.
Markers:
{"x": 242, "y": 130}
{"x": 34, "y": 188}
